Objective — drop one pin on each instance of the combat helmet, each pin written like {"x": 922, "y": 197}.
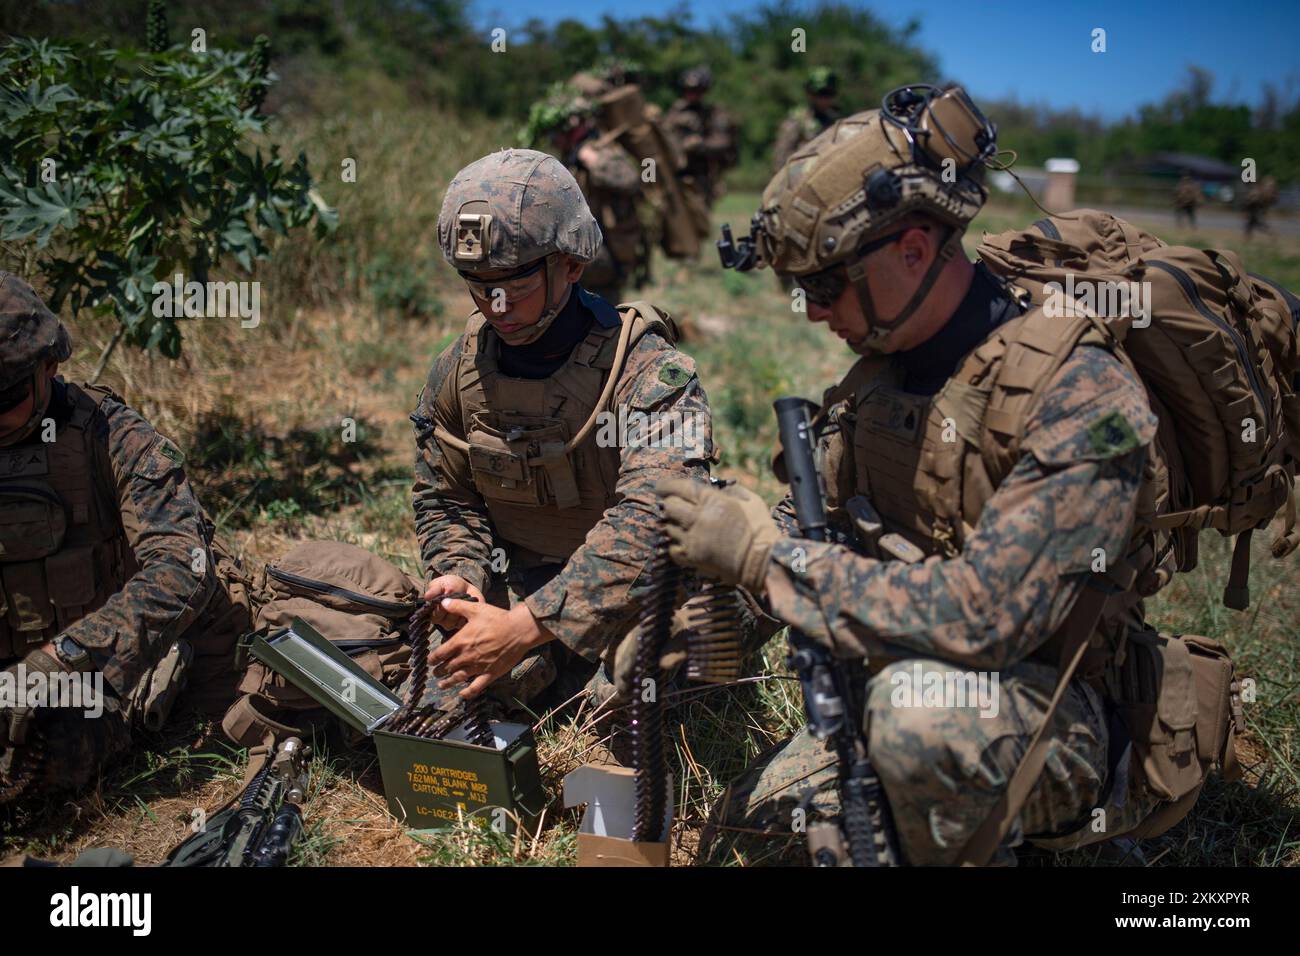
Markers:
{"x": 517, "y": 209}
{"x": 923, "y": 151}
{"x": 822, "y": 81}
{"x": 29, "y": 334}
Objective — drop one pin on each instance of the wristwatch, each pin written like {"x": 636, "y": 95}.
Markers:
{"x": 72, "y": 655}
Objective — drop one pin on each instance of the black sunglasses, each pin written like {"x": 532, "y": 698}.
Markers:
{"x": 823, "y": 288}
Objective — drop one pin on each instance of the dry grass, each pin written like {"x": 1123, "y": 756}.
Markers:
{"x": 260, "y": 413}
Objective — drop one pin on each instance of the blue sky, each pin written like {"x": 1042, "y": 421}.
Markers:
{"x": 1040, "y": 52}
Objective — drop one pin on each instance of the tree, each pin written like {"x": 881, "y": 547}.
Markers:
{"x": 123, "y": 168}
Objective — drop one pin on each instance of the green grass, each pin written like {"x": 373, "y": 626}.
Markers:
{"x": 268, "y": 459}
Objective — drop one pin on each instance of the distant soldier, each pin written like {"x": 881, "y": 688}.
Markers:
{"x": 707, "y": 135}
{"x": 1259, "y": 197}
{"x": 1187, "y": 196}
{"x": 803, "y": 124}
{"x": 610, "y": 180}
{"x": 114, "y": 589}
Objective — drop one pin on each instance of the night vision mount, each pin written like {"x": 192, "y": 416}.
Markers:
{"x": 740, "y": 254}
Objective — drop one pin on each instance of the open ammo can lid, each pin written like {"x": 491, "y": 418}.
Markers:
{"x": 305, "y": 658}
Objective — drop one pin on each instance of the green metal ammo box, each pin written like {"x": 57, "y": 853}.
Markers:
{"x": 428, "y": 783}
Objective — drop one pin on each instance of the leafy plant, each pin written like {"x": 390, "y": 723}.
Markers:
{"x": 124, "y": 168}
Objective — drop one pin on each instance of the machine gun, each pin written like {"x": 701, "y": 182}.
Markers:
{"x": 261, "y": 828}
{"x": 832, "y": 695}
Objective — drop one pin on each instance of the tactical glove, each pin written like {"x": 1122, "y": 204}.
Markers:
{"x": 15, "y": 719}
{"x": 724, "y": 533}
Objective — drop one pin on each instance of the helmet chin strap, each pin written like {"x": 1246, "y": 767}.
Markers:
{"x": 40, "y": 402}
{"x": 877, "y": 329}
{"x": 555, "y": 267}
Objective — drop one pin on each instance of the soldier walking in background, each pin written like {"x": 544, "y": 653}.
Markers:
{"x": 804, "y": 123}
{"x": 1187, "y": 196}
{"x": 707, "y": 135}
{"x": 1259, "y": 197}
{"x": 610, "y": 180}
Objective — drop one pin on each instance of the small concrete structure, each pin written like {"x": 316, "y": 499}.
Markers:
{"x": 1059, "y": 193}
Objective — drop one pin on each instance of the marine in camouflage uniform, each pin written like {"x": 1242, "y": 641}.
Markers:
{"x": 518, "y": 497}
{"x": 610, "y": 180}
{"x": 900, "y": 588}
{"x": 1187, "y": 196}
{"x": 804, "y": 124}
{"x": 1260, "y": 197}
{"x": 706, "y": 134}
{"x": 106, "y": 564}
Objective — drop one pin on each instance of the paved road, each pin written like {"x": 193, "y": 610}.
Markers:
{"x": 1208, "y": 219}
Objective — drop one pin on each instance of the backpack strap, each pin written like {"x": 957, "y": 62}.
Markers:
{"x": 647, "y": 318}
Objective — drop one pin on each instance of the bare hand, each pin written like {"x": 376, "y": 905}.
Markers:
{"x": 492, "y": 641}
{"x": 448, "y": 584}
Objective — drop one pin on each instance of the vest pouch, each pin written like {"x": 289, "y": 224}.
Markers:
{"x": 70, "y": 577}
{"x": 1157, "y": 697}
{"x": 1219, "y": 716}
{"x": 501, "y": 445}
{"x": 30, "y": 611}
{"x": 33, "y": 522}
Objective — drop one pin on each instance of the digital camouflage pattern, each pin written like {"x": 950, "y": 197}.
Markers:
{"x": 29, "y": 332}
{"x": 988, "y": 609}
{"x": 163, "y": 525}
{"x": 592, "y": 600}
{"x": 944, "y": 768}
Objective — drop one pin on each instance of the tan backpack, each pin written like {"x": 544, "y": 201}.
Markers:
{"x": 356, "y": 599}
{"x": 640, "y": 130}
{"x": 1216, "y": 348}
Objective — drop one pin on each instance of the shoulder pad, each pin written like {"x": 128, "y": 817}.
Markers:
{"x": 87, "y": 399}
{"x": 96, "y": 393}
{"x": 1094, "y": 409}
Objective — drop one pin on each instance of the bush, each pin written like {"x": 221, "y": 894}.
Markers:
{"x": 121, "y": 169}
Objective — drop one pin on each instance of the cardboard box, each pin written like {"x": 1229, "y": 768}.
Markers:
{"x": 427, "y": 783}
{"x": 605, "y": 834}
